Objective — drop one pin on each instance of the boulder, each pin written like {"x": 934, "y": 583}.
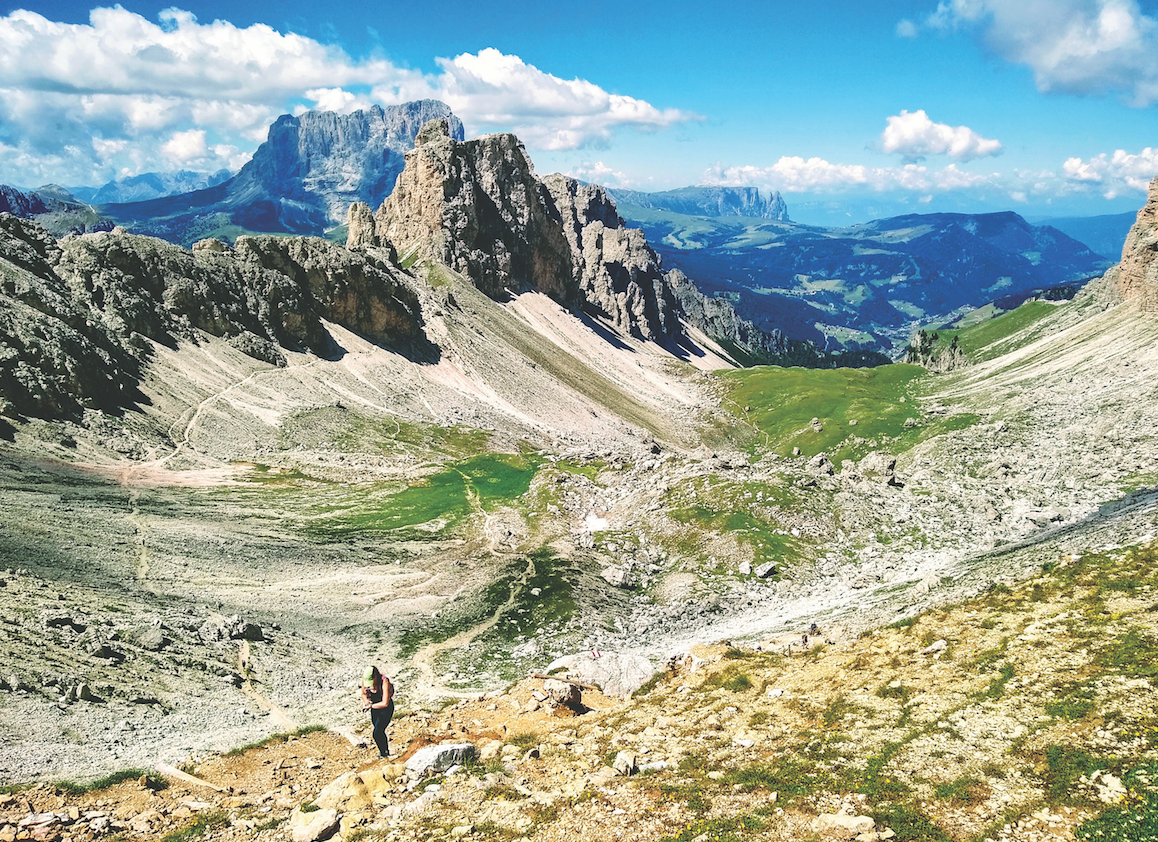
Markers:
{"x": 313, "y": 825}
{"x": 439, "y": 758}
{"x": 765, "y": 570}
{"x": 618, "y": 577}
{"x": 563, "y": 692}
{"x": 615, "y": 674}
{"x": 625, "y": 763}
{"x": 845, "y": 825}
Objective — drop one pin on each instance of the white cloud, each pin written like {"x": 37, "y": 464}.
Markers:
{"x": 907, "y": 29}
{"x": 186, "y": 148}
{"x": 1076, "y": 46}
{"x": 915, "y": 136}
{"x": 121, "y": 77}
{"x": 492, "y": 91}
{"x": 1113, "y": 175}
{"x": 596, "y": 172}
{"x": 799, "y": 175}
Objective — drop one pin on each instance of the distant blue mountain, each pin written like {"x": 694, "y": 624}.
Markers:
{"x": 300, "y": 181}
{"x": 1106, "y": 235}
{"x": 709, "y": 201}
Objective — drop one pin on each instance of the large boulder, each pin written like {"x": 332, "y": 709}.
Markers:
{"x": 439, "y": 758}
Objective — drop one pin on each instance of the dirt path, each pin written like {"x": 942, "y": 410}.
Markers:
{"x": 279, "y": 716}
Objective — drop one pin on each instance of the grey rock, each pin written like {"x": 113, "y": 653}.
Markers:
{"x": 617, "y": 272}
{"x": 616, "y": 674}
{"x": 711, "y": 201}
{"x": 820, "y": 464}
{"x": 765, "y": 570}
{"x": 625, "y": 763}
{"x": 477, "y": 207}
{"x": 313, "y": 166}
{"x": 563, "y": 692}
{"x": 152, "y": 639}
{"x": 618, "y": 577}
{"x": 439, "y": 758}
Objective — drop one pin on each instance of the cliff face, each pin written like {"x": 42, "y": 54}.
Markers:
{"x": 477, "y": 207}
{"x": 711, "y": 201}
{"x": 617, "y": 273}
{"x": 74, "y": 313}
{"x": 1136, "y": 277}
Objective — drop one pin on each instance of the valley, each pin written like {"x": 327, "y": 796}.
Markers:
{"x": 491, "y": 438}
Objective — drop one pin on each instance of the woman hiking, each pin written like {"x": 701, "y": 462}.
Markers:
{"x": 378, "y": 698}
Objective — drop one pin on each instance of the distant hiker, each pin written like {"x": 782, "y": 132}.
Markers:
{"x": 378, "y": 698}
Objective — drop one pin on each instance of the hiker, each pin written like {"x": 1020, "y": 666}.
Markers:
{"x": 378, "y": 698}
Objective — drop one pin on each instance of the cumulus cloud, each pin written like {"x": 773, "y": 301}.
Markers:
{"x": 596, "y": 172}
{"x": 186, "y": 148}
{"x": 492, "y": 91}
{"x": 1113, "y": 175}
{"x": 1076, "y": 46}
{"x": 915, "y": 136}
{"x": 1110, "y": 175}
{"x": 71, "y": 94}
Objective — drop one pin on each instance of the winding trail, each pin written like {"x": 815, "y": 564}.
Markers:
{"x": 279, "y": 716}
{"x": 428, "y": 681}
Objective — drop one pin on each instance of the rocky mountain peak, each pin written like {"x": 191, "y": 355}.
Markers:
{"x": 477, "y": 207}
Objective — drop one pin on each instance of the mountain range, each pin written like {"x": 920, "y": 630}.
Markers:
{"x": 869, "y": 285}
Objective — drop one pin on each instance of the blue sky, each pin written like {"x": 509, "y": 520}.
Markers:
{"x": 850, "y": 109}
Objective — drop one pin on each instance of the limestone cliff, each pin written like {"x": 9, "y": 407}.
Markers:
{"x": 321, "y": 161}
{"x": 1136, "y": 277}
{"x": 617, "y": 273}
{"x": 477, "y": 207}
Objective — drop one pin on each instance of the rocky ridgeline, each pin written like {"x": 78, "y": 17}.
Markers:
{"x": 478, "y": 207}
{"x": 711, "y": 201}
{"x": 79, "y": 314}
{"x": 1023, "y": 714}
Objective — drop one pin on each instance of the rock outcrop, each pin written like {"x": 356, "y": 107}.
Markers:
{"x": 477, "y": 207}
{"x": 615, "y": 269}
{"x": 1136, "y": 277}
{"x": 74, "y": 313}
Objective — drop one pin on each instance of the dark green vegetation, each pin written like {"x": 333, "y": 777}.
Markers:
{"x": 781, "y": 403}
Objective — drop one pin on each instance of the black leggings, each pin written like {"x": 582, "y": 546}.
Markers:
{"x": 381, "y": 718}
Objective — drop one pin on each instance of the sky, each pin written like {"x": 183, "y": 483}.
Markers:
{"x": 851, "y": 109}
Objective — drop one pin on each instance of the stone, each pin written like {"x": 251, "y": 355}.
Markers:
{"x": 618, "y": 577}
{"x": 439, "y": 758}
{"x": 850, "y": 825}
{"x": 615, "y": 673}
{"x": 563, "y": 692}
{"x": 313, "y": 825}
{"x": 935, "y": 646}
{"x": 625, "y": 763}
{"x": 745, "y": 568}
{"x": 820, "y": 464}
{"x": 765, "y": 570}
